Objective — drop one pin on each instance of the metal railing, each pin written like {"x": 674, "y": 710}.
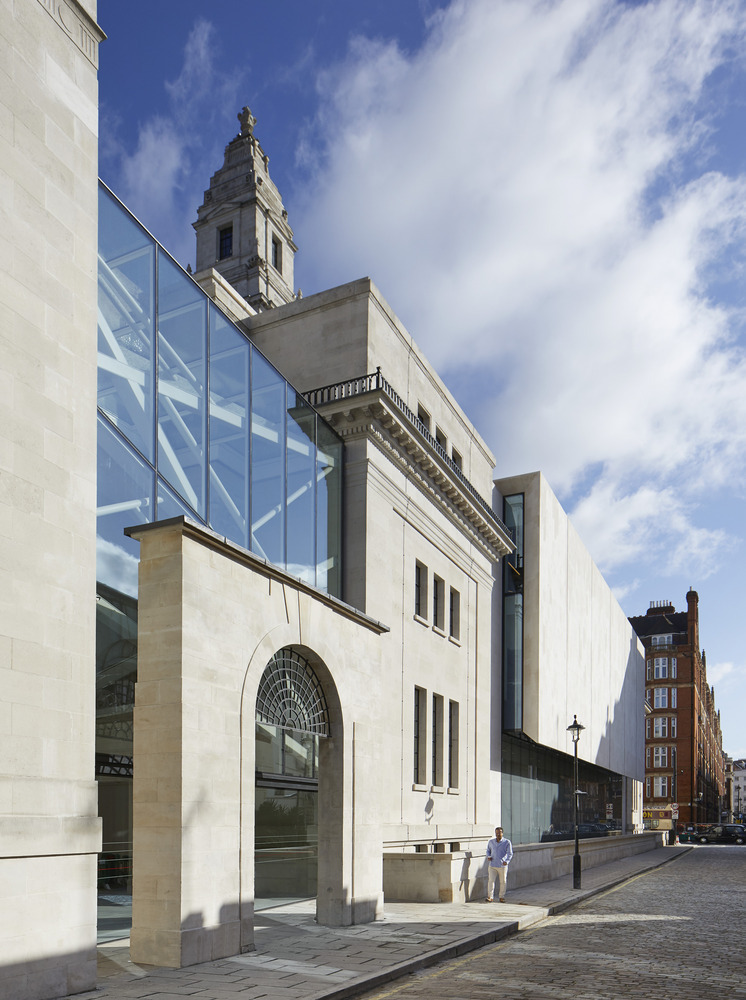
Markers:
{"x": 375, "y": 382}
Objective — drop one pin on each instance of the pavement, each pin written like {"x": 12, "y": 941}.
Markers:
{"x": 295, "y": 959}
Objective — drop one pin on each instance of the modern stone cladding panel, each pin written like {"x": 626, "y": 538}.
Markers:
{"x": 49, "y": 833}
{"x": 581, "y": 656}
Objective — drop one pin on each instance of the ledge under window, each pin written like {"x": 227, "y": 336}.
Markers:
{"x": 439, "y": 631}
{"x": 437, "y": 789}
{"x": 420, "y": 788}
{"x": 421, "y": 621}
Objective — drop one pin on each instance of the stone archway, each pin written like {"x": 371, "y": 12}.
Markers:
{"x": 291, "y": 719}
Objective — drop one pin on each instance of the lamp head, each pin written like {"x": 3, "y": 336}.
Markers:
{"x": 575, "y": 729}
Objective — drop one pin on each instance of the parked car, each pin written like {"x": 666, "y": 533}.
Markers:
{"x": 725, "y": 833}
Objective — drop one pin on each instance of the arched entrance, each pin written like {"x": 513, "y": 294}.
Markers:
{"x": 292, "y": 718}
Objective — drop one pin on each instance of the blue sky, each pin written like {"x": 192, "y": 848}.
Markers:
{"x": 551, "y": 194}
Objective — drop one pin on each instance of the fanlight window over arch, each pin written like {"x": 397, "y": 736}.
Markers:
{"x": 290, "y": 695}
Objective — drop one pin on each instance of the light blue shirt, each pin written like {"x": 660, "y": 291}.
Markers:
{"x": 500, "y": 852}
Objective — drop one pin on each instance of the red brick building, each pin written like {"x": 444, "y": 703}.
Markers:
{"x": 684, "y": 760}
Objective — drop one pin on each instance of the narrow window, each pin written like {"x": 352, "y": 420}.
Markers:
{"x": 438, "y": 603}
{"x": 454, "y": 614}
{"x": 647, "y": 756}
{"x": 420, "y": 590}
{"x": 276, "y": 254}
{"x": 453, "y": 744}
{"x": 424, "y": 418}
{"x": 650, "y": 671}
{"x": 419, "y": 729}
{"x": 647, "y": 788}
{"x": 647, "y": 729}
{"x": 437, "y": 749}
{"x": 673, "y": 726}
{"x": 441, "y": 439}
{"x": 456, "y": 459}
{"x": 673, "y": 667}
{"x": 225, "y": 242}
{"x": 673, "y": 698}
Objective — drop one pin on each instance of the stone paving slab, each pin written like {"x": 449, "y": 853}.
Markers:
{"x": 296, "y": 959}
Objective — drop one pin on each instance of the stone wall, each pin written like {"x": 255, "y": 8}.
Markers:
{"x": 49, "y": 831}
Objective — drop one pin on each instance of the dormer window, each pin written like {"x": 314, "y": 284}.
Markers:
{"x": 225, "y": 242}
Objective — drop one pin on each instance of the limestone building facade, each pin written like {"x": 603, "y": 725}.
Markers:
{"x": 49, "y": 831}
{"x": 324, "y": 642}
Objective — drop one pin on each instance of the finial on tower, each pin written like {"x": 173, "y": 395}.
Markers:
{"x": 247, "y": 120}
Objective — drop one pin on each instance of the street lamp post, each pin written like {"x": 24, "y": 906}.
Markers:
{"x": 575, "y": 730}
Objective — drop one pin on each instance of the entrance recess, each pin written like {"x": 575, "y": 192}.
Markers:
{"x": 291, "y": 717}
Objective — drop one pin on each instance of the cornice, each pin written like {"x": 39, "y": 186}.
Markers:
{"x": 76, "y": 22}
{"x": 389, "y": 430}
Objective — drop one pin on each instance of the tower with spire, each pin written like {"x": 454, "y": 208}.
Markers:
{"x": 242, "y": 225}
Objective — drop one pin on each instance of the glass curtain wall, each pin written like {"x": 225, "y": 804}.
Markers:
{"x": 192, "y": 420}
{"x": 513, "y": 618}
{"x": 537, "y": 795}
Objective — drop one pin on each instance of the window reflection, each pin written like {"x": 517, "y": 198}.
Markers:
{"x": 301, "y": 474}
{"x": 229, "y": 429}
{"x": 125, "y": 490}
{"x": 267, "y": 461}
{"x": 182, "y": 345}
{"x": 125, "y": 326}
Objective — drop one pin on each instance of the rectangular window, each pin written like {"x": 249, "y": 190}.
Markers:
{"x": 660, "y": 698}
{"x": 673, "y": 726}
{"x": 660, "y": 667}
{"x": 647, "y": 756}
{"x": 424, "y": 418}
{"x": 673, "y": 667}
{"x": 439, "y": 603}
{"x": 276, "y": 254}
{"x": 456, "y": 459}
{"x": 660, "y": 727}
{"x": 660, "y": 786}
{"x": 649, "y": 695}
{"x": 647, "y": 729}
{"x": 420, "y": 590}
{"x": 660, "y": 757}
{"x": 453, "y": 744}
{"x": 647, "y": 788}
{"x": 673, "y": 698}
{"x": 441, "y": 439}
{"x": 419, "y": 734}
{"x": 437, "y": 748}
{"x": 649, "y": 674}
{"x": 225, "y": 242}
{"x": 454, "y": 614}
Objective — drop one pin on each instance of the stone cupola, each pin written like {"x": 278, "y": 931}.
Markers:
{"x": 242, "y": 226}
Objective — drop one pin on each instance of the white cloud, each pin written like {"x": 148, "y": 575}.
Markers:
{"x": 716, "y": 672}
{"x": 163, "y": 178}
{"x": 534, "y": 192}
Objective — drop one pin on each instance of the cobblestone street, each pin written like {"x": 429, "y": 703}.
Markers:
{"x": 674, "y": 933}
